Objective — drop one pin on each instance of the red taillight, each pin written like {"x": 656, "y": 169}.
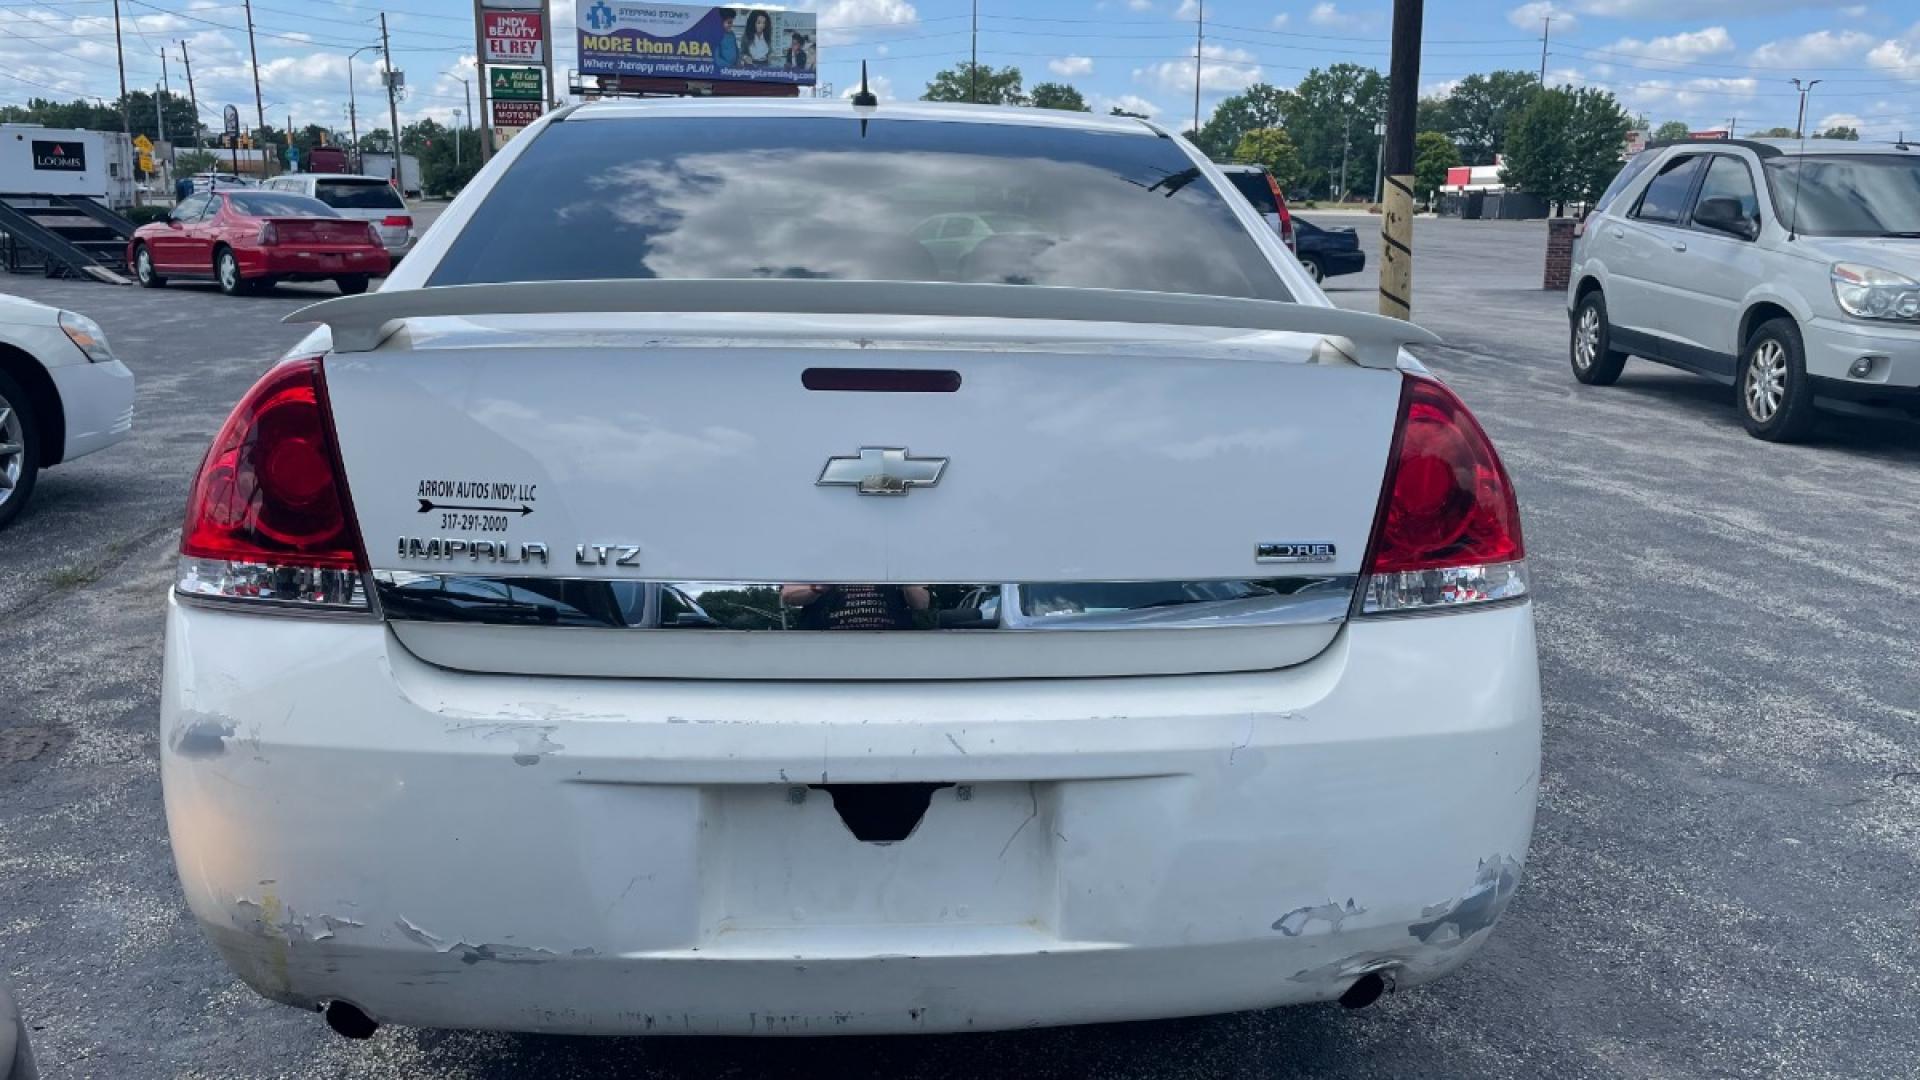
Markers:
{"x": 1286, "y": 216}
{"x": 1448, "y": 530}
{"x": 397, "y": 221}
{"x": 268, "y": 235}
{"x": 268, "y": 516}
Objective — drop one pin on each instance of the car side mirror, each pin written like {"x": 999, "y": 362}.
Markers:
{"x": 1725, "y": 215}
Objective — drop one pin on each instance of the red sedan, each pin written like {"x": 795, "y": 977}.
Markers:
{"x": 248, "y": 239}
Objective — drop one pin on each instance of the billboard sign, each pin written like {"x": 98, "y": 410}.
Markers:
{"x": 513, "y": 37}
{"x": 717, "y": 44}
{"x": 515, "y": 84}
{"x": 515, "y": 114}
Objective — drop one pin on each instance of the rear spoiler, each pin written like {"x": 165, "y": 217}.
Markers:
{"x": 361, "y": 323}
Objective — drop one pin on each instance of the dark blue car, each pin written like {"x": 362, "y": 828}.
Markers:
{"x": 1328, "y": 252}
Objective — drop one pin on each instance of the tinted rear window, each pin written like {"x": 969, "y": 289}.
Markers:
{"x": 819, "y": 197}
{"x": 358, "y": 194}
{"x": 279, "y": 204}
{"x": 1257, "y": 190}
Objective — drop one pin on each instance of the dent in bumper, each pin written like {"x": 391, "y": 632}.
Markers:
{"x": 97, "y": 400}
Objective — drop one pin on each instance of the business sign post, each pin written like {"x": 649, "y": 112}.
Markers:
{"x": 512, "y": 32}
{"x": 699, "y": 44}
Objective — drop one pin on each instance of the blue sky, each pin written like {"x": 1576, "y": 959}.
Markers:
{"x": 1701, "y": 61}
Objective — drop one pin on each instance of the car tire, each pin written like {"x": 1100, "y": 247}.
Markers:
{"x": 1773, "y": 392}
{"x": 143, "y": 270}
{"x": 351, "y": 284}
{"x": 226, "y": 271}
{"x": 1590, "y": 345}
{"x": 19, "y": 449}
{"x": 1314, "y": 270}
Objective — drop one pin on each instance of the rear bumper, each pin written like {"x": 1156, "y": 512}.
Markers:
{"x": 298, "y": 263}
{"x": 626, "y": 856}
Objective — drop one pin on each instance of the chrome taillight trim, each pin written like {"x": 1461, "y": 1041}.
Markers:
{"x": 273, "y": 588}
{"x": 1453, "y": 588}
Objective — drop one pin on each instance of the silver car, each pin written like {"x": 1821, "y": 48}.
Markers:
{"x": 363, "y": 198}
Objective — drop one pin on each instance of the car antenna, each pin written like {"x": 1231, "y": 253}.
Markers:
{"x": 864, "y": 98}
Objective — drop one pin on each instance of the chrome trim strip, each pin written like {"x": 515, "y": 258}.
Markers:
{"x": 737, "y": 606}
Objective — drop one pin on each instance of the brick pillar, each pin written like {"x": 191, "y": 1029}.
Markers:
{"x": 1559, "y": 253}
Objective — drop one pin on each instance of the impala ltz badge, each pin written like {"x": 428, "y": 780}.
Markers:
{"x": 882, "y": 471}
{"x": 1293, "y": 551}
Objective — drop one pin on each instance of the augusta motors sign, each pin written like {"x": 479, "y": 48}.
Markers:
{"x": 513, "y": 36}
{"x": 53, "y": 156}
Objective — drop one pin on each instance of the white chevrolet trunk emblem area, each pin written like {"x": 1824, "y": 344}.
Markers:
{"x": 880, "y": 470}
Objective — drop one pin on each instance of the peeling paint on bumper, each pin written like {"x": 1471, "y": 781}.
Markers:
{"x": 369, "y": 830}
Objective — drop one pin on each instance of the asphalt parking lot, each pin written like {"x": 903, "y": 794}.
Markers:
{"x": 1722, "y": 882}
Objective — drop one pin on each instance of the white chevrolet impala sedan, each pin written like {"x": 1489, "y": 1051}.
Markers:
{"x": 697, "y": 594}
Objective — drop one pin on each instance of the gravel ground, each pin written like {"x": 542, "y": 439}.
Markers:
{"x": 1722, "y": 882}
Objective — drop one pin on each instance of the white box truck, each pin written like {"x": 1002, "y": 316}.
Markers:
{"x": 53, "y": 161}
{"x": 381, "y": 165}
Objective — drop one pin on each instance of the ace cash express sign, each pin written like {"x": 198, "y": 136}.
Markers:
{"x": 513, "y": 37}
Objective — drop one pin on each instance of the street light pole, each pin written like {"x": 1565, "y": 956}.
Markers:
{"x": 192, "y": 94}
{"x": 1800, "y": 125}
{"x": 353, "y": 109}
{"x": 126, "y": 123}
{"x": 1199, "y": 36}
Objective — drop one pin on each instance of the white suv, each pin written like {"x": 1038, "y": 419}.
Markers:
{"x": 1696, "y": 257}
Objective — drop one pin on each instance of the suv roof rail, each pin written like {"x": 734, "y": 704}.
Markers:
{"x": 1760, "y": 148}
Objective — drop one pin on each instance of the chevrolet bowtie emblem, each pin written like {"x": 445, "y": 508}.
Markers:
{"x": 880, "y": 470}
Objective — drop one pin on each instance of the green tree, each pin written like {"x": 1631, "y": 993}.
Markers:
{"x": 1433, "y": 114}
{"x": 1672, "y": 131}
{"x": 1273, "y": 148}
{"x": 189, "y": 162}
{"x": 1334, "y": 112}
{"x": 1481, "y": 109}
{"x": 1052, "y": 95}
{"x": 1433, "y": 155}
{"x": 1258, "y": 106}
{"x": 982, "y": 84}
{"x": 1118, "y": 111}
{"x": 1774, "y": 133}
{"x": 1566, "y": 145}
{"x": 1846, "y": 134}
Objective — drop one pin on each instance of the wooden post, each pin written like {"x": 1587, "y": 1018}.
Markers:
{"x": 1396, "y": 221}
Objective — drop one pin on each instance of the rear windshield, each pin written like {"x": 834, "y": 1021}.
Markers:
{"x": 358, "y": 194}
{"x": 1847, "y": 194}
{"x": 824, "y": 197}
{"x": 1257, "y": 190}
{"x": 278, "y": 204}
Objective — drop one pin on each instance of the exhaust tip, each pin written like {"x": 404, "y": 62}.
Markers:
{"x": 1366, "y": 990}
{"x": 346, "y": 1019}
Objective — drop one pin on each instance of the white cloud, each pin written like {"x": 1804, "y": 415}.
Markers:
{"x": 1677, "y": 48}
{"x": 1834, "y": 120}
{"x": 1899, "y": 56}
{"x": 1528, "y": 16}
{"x": 1222, "y": 69}
{"x": 1139, "y": 5}
{"x": 1818, "y": 49}
{"x": 841, "y": 21}
{"x": 1070, "y": 65}
{"x": 1692, "y": 9}
{"x": 1854, "y": 11}
{"x": 1132, "y": 103}
{"x": 1279, "y": 22}
{"x": 1329, "y": 15}
{"x": 1188, "y": 11}
{"x": 1442, "y": 88}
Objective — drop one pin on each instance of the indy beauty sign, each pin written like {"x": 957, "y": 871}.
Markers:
{"x": 676, "y": 41}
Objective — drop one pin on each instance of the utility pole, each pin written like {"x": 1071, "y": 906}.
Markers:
{"x": 393, "y": 107}
{"x": 353, "y": 108}
{"x": 191, "y": 93}
{"x": 1346, "y": 141}
{"x": 1379, "y": 159}
{"x": 1396, "y": 220}
{"x": 466, "y": 91}
{"x": 259, "y": 107}
{"x": 480, "y": 73}
{"x": 1800, "y": 125}
{"x": 164, "y": 90}
{"x": 126, "y": 122}
{"x": 973, "y": 61}
{"x": 1199, "y": 35}
{"x": 1546, "y": 31}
